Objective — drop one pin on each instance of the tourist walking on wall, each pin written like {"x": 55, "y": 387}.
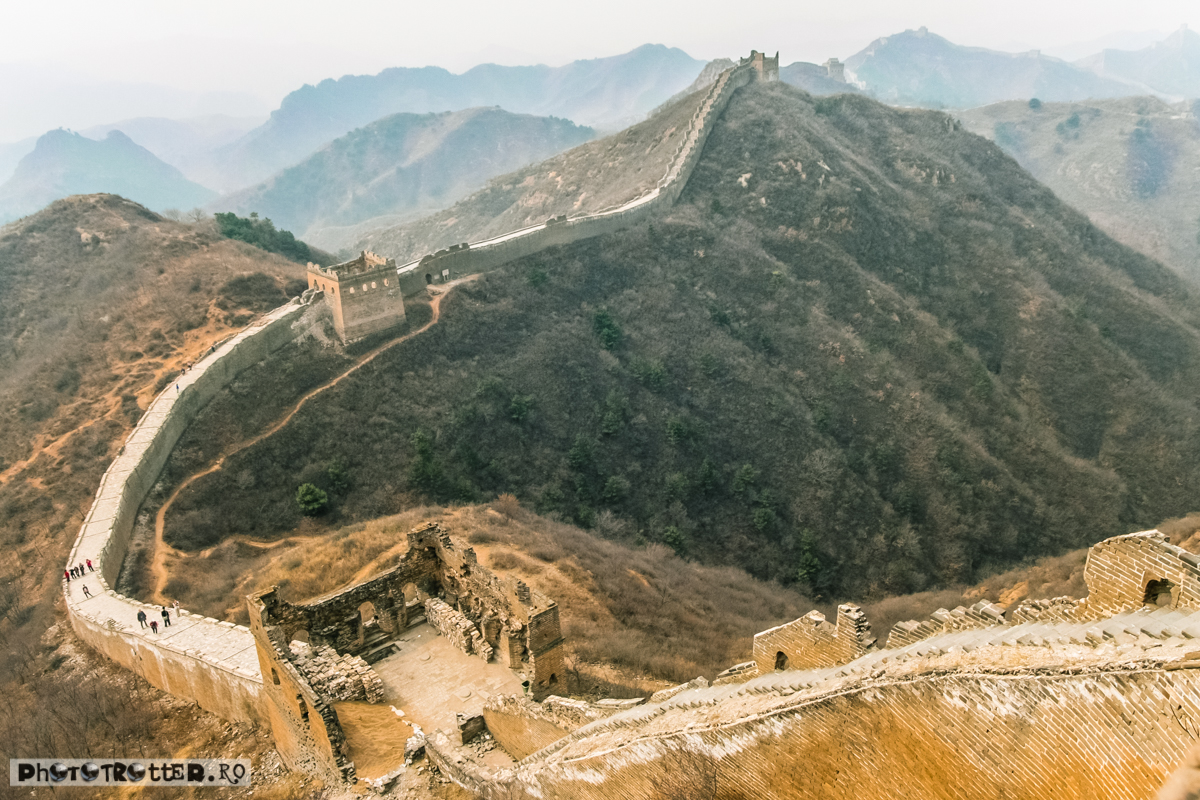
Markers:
{"x": 166, "y": 618}
{"x": 67, "y": 576}
{"x": 90, "y": 567}
{"x": 142, "y": 618}
{"x": 153, "y": 626}
{"x": 86, "y": 593}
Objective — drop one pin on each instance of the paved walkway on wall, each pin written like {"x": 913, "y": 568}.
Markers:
{"x": 158, "y": 568}
{"x": 230, "y": 646}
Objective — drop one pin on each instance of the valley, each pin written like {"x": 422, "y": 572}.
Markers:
{"x": 646, "y": 466}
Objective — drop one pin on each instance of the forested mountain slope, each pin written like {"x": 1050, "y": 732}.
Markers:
{"x": 401, "y": 166}
{"x": 1132, "y": 165}
{"x": 866, "y": 353}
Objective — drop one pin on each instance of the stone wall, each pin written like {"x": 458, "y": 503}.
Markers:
{"x": 303, "y": 723}
{"x": 981, "y": 615}
{"x": 209, "y": 662}
{"x": 811, "y": 642}
{"x": 469, "y": 259}
{"x": 1126, "y": 571}
{"x": 1043, "y": 734}
{"x": 459, "y": 630}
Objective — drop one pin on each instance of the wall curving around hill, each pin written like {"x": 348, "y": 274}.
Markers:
{"x": 212, "y": 663}
{"x": 477, "y": 257}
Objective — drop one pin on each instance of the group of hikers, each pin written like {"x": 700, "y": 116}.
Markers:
{"x": 79, "y": 572}
{"x": 153, "y": 623}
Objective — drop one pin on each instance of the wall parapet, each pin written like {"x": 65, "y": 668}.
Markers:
{"x": 476, "y": 257}
{"x": 209, "y": 662}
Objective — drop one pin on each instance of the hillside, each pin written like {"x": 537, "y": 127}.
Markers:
{"x": 865, "y": 354}
{"x": 401, "y": 166}
{"x": 601, "y": 174}
{"x": 64, "y": 163}
{"x": 1171, "y": 67}
{"x": 101, "y": 302}
{"x": 607, "y": 93}
{"x": 1131, "y": 165}
{"x": 923, "y": 69}
{"x": 814, "y": 79}
{"x": 642, "y": 611}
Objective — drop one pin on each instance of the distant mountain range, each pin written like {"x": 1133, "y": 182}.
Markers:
{"x": 64, "y": 163}
{"x": 1131, "y": 164}
{"x": 923, "y": 69}
{"x": 607, "y": 93}
{"x": 400, "y": 166}
{"x": 1171, "y": 66}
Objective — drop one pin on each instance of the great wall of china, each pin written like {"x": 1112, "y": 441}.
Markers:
{"x": 1093, "y": 698}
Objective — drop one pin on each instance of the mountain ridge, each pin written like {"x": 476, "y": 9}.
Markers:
{"x": 865, "y": 353}
{"x": 64, "y": 163}
{"x": 605, "y": 92}
{"x": 401, "y": 166}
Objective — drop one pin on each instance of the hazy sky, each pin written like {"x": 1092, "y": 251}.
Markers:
{"x": 255, "y": 52}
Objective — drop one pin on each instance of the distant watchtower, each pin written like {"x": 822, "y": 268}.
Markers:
{"x": 363, "y": 294}
{"x": 835, "y": 70}
{"x": 765, "y": 67}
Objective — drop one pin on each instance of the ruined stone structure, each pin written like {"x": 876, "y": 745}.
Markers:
{"x": 1130, "y": 571}
{"x": 437, "y": 581}
{"x": 363, "y": 294}
{"x": 1070, "y": 701}
{"x": 1095, "y": 698}
{"x": 214, "y": 663}
{"x": 811, "y": 642}
{"x": 835, "y": 69}
{"x": 765, "y": 67}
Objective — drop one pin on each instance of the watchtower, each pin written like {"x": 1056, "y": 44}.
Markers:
{"x": 363, "y": 294}
{"x": 765, "y": 67}
{"x": 835, "y": 70}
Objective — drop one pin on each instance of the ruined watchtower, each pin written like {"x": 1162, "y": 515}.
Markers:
{"x": 767, "y": 68}
{"x": 363, "y": 294}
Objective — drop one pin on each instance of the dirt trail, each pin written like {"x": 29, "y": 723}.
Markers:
{"x": 158, "y": 565}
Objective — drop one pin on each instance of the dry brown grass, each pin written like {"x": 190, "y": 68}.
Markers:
{"x": 1048, "y": 577}
{"x": 647, "y": 614}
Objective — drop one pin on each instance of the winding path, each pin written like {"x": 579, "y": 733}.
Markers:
{"x": 158, "y": 567}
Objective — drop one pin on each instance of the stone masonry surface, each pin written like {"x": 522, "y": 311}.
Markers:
{"x": 1093, "y": 698}
{"x": 1075, "y": 702}
{"x": 201, "y": 659}
{"x": 437, "y": 580}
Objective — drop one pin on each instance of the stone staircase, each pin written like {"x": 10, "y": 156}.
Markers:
{"x": 1146, "y": 627}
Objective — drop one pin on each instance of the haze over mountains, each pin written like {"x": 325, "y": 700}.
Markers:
{"x": 400, "y": 166}
{"x": 1131, "y": 164}
{"x": 1171, "y": 66}
{"x": 607, "y": 93}
{"x": 921, "y": 68}
{"x": 64, "y": 163}
{"x": 345, "y": 185}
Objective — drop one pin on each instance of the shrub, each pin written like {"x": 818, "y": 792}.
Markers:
{"x": 312, "y": 501}
{"x": 607, "y": 329}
